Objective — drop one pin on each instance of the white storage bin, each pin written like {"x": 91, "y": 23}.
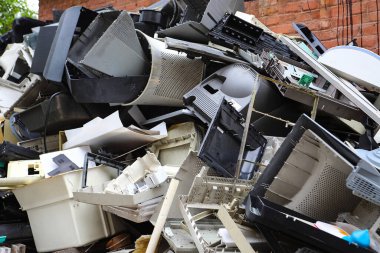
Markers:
{"x": 56, "y": 219}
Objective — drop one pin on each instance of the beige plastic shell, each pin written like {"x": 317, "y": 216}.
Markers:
{"x": 172, "y": 75}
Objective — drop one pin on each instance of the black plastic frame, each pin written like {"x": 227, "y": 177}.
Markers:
{"x": 221, "y": 145}
{"x": 73, "y": 19}
{"x": 275, "y": 221}
{"x": 12, "y": 152}
{"x": 303, "y": 123}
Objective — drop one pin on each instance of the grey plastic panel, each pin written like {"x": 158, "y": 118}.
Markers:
{"x": 44, "y": 43}
{"x": 118, "y": 51}
{"x": 235, "y": 83}
{"x": 89, "y": 37}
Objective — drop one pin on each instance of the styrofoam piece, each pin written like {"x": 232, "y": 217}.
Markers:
{"x": 95, "y": 195}
{"x": 76, "y": 155}
{"x": 118, "y": 51}
{"x": 172, "y": 75}
{"x": 173, "y": 149}
{"x": 110, "y": 132}
{"x": 145, "y": 170}
{"x": 58, "y": 221}
{"x": 348, "y": 62}
{"x": 25, "y": 168}
{"x": 342, "y": 85}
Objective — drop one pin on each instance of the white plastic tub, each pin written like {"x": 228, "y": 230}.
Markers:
{"x": 56, "y": 219}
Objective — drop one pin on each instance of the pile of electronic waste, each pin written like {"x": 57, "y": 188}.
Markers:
{"x": 186, "y": 127}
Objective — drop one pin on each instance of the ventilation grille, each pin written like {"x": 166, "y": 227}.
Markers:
{"x": 178, "y": 76}
{"x": 363, "y": 184}
{"x": 328, "y": 197}
{"x": 203, "y": 101}
{"x": 211, "y": 190}
{"x": 123, "y": 29}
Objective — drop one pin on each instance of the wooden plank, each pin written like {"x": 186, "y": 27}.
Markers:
{"x": 234, "y": 231}
{"x": 161, "y": 219}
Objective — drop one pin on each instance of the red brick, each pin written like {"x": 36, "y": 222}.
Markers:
{"x": 356, "y": 8}
{"x": 370, "y": 29}
{"x": 292, "y": 7}
{"x": 370, "y": 17}
{"x": 319, "y": 15}
{"x": 325, "y": 24}
{"x": 314, "y": 25}
{"x": 330, "y": 43}
{"x": 335, "y": 10}
{"x": 330, "y": 2}
{"x": 283, "y": 29}
{"x": 370, "y": 41}
{"x": 287, "y": 18}
{"x": 271, "y": 20}
{"x": 310, "y": 5}
{"x": 370, "y": 6}
{"x": 326, "y": 35}
{"x": 270, "y": 10}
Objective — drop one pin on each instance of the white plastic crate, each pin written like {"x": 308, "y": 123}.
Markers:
{"x": 56, "y": 219}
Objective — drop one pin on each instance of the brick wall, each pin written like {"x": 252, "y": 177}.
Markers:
{"x": 321, "y": 16}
